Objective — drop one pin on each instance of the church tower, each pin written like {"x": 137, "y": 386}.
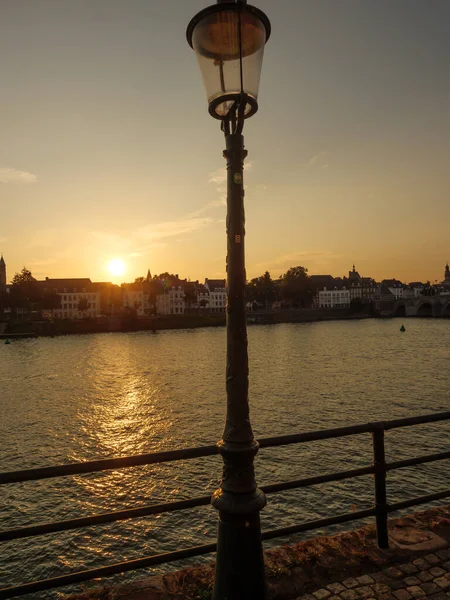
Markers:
{"x": 447, "y": 273}
{"x": 2, "y": 274}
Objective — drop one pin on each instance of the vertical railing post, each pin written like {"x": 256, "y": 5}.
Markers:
{"x": 381, "y": 506}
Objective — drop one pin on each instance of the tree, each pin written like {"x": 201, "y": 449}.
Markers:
{"x": 296, "y": 287}
{"x": 262, "y": 290}
{"x": 190, "y": 297}
{"x": 83, "y": 305}
{"x": 25, "y": 291}
{"x": 24, "y": 277}
{"x": 139, "y": 280}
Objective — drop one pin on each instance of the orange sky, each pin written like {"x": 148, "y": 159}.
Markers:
{"x": 108, "y": 150}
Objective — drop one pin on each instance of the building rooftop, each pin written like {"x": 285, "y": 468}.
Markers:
{"x": 214, "y": 284}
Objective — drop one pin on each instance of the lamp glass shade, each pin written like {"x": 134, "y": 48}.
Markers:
{"x": 216, "y": 43}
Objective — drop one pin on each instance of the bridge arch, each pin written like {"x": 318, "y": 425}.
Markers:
{"x": 400, "y": 310}
{"x": 446, "y": 310}
{"x": 425, "y": 310}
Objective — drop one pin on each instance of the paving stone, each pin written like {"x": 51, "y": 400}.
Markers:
{"x": 394, "y": 573}
{"x": 397, "y": 584}
{"x": 365, "y": 592}
{"x": 425, "y": 576}
{"x": 443, "y": 582}
{"x": 437, "y": 571}
{"x": 416, "y": 591}
{"x": 446, "y": 565}
{"x": 349, "y": 595}
{"x": 440, "y": 596}
{"x": 381, "y": 577}
{"x": 365, "y": 580}
{"x": 432, "y": 559}
{"x": 430, "y": 588}
{"x": 402, "y": 595}
{"x": 382, "y": 591}
{"x": 321, "y": 594}
{"x": 336, "y": 588}
{"x": 408, "y": 568}
{"x": 350, "y": 583}
{"x": 421, "y": 564}
{"x": 412, "y": 581}
{"x": 444, "y": 554}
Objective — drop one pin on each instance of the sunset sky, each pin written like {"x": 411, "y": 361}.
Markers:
{"x": 107, "y": 150}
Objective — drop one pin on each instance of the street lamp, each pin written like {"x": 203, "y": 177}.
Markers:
{"x": 228, "y": 39}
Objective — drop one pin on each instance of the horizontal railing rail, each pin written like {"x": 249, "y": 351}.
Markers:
{"x": 380, "y": 510}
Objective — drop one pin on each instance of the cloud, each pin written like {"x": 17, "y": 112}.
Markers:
{"x": 319, "y": 161}
{"x": 220, "y": 176}
{"x": 213, "y": 204}
{"x": 10, "y": 175}
{"x": 168, "y": 229}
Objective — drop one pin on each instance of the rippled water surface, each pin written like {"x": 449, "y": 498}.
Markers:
{"x": 83, "y": 397}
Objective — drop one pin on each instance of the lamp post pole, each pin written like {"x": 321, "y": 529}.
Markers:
{"x": 228, "y": 39}
{"x": 239, "y": 563}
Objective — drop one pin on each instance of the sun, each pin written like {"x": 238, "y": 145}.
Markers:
{"x": 116, "y": 267}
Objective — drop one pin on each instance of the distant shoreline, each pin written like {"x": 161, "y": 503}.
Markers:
{"x": 174, "y": 322}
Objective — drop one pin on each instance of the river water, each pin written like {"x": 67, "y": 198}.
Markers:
{"x": 83, "y": 397}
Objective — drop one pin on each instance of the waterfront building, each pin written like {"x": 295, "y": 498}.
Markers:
{"x": 202, "y": 294}
{"x": 354, "y": 284}
{"x": 171, "y": 302}
{"x": 395, "y": 286}
{"x": 318, "y": 283}
{"x": 413, "y": 290}
{"x": 370, "y": 290}
{"x": 71, "y": 291}
{"x": 217, "y": 295}
{"x": 334, "y": 298}
{"x": 135, "y": 297}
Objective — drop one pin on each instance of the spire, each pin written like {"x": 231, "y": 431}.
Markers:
{"x": 2, "y": 274}
{"x": 354, "y": 269}
{"x": 149, "y": 276}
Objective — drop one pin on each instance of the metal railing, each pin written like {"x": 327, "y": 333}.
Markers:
{"x": 380, "y": 510}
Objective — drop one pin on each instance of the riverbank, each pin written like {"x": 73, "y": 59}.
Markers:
{"x": 170, "y": 322}
{"x": 348, "y": 565}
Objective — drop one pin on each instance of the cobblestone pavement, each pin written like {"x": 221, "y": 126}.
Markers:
{"x": 425, "y": 577}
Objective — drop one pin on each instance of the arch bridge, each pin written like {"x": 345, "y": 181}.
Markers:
{"x": 437, "y": 306}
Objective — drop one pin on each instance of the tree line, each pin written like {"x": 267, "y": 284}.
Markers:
{"x": 294, "y": 288}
